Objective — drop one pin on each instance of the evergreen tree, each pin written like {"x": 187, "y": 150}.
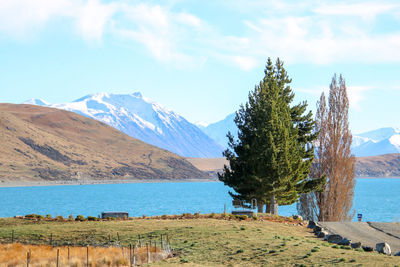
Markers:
{"x": 271, "y": 159}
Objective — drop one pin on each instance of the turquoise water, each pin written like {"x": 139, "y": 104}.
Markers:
{"x": 376, "y": 199}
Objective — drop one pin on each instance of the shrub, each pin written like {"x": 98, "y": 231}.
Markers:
{"x": 80, "y": 218}
{"x": 92, "y": 218}
{"x": 144, "y": 216}
{"x": 39, "y": 217}
{"x": 70, "y": 218}
{"x": 239, "y": 251}
{"x": 242, "y": 217}
{"x": 48, "y": 217}
{"x": 164, "y": 217}
{"x": 60, "y": 218}
{"x": 212, "y": 215}
{"x": 31, "y": 216}
{"x": 255, "y": 217}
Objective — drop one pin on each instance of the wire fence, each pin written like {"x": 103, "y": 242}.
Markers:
{"x": 146, "y": 249}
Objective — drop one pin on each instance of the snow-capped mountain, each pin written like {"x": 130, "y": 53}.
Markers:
{"x": 373, "y": 143}
{"x": 145, "y": 120}
{"x": 377, "y": 142}
{"x": 219, "y": 130}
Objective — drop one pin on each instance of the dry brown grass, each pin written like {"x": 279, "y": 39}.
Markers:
{"x": 13, "y": 255}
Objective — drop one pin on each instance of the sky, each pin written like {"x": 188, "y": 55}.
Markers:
{"x": 201, "y": 58}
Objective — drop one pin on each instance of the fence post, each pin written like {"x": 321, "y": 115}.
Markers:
{"x": 12, "y": 236}
{"x": 109, "y": 238}
{"x": 161, "y": 242}
{"x": 58, "y": 256}
{"x": 28, "y": 258}
{"x": 68, "y": 254}
{"x": 148, "y": 253}
{"x": 118, "y": 236}
{"x": 130, "y": 255}
{"x": 87, "y": 256}
{"x": 51, "y": 239}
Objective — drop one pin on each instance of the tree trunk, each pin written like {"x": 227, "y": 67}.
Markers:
{"x": 267, "y": 208}
{"x": 273, "y": 206}
{"x": 260, "y": 207}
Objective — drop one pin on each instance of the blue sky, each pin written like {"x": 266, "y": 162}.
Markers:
{"x": 201, "y": 58}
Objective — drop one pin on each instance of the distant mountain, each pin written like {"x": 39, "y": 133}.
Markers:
{"x": 219, "y": 130}
{"x": 387, "y": 165}
{"x": 48, "y": 144}
{"x": 147, "y": 121}
{"x": 377, "y": 142}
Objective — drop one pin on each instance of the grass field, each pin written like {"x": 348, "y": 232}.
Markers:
{"x": 203, "y": 241}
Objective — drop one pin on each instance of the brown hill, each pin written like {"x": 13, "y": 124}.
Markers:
{"x": 376, "y": 166}
{"x": 40, "y": 143}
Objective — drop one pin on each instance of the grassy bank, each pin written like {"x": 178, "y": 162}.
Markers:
{"x": 202, "y": 241}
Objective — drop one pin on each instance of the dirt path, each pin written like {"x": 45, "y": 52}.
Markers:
{"x": 367, "y": 233}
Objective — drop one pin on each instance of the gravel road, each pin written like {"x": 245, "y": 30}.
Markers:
{"x": 368, "y": 233}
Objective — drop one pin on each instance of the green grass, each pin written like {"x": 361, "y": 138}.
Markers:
{"x": 201, "y": 242}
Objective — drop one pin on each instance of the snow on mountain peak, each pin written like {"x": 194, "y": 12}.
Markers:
{"x": 395, "y": 140}
{"x": 145, "y": 120}
{"x": 37, "y": 101}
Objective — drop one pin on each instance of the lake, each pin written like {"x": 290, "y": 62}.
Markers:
{"x": 377, "y": 199}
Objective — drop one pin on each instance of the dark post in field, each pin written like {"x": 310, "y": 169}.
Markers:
{"x": 130, "y": 255}
{"x": 68, "y": 254}
{"x": 28, "y": 258}
{"x": 87, "y": 256}
{"x": 148, "y": 252}
{"x": 12, "y": 236}
{"x": 58, "y": 257}
{"x": 51, "y": 239}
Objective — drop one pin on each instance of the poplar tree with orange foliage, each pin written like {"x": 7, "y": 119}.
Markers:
{"x": 333, "y": 158}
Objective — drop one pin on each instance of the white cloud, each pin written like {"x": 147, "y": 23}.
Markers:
{"x": 365, "y": 10}
{"x": 92, "y": 17}
{"x": 319, "y": 32}
{"x": 21, "y": 17}
{"x": 243, "y": 62}
{"x": 356, "y": 95}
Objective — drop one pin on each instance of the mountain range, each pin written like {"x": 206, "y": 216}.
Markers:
{"x": 149, "y": 122}
{"x": 48, "y": 144}
{"x": 145, "y": 120}
{"x": 377, "y": 142}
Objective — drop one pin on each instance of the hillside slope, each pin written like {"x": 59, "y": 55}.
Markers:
{"x": 41, "y": 143}
{"x": 375, "y": 166}
{"x": 378, "y": 166}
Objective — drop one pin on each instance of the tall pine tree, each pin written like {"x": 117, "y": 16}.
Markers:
{"x": 271, "y": 159}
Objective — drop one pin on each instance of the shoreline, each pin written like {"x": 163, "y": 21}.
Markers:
{"x": 98, "y": 182}
{"x": 6, "y": 184}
